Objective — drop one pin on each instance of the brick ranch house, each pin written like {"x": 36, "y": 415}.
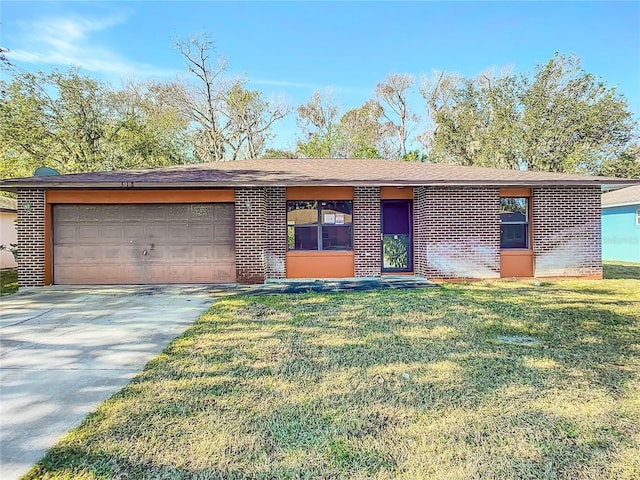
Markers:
{"x": 254, "y": 220}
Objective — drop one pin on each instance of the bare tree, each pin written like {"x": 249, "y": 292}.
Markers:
{"x": 438, "y": 90}
{"x": 202, "y": 101}
{"x": 392, "y": 94}
{"x": 232, "y": 122}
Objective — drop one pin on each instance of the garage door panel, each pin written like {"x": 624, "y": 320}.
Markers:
{"x": 201, "y": 232}
{"x": 224, "y": 252}
{"x": 224, "y": 273}
{"x": 89, "y": 233}
{"x": 178, "y": 232}
{"x": 133, "y": 231}
{"x": 66, "y": 233}
{"x": 105, "y": 244}
{"x": 223, "y": 233}
{"x": 89, "y": 214}
{"x": 111, "y": 232}
{"x": 157, "y": 232}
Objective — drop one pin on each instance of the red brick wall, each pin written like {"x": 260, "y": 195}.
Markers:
{"x": 457, "y": 232}
{"x": 566, "y": 231}
{"x": 366, "y": 231}
{"x": 31, "y": 238}
{"x": 250, "y": 210}
{"x": 276, "y": 232}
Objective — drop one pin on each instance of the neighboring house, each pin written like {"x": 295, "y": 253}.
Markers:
{"x": 8, "y": 231}
{"x": 253, "y": 220}
{"x": 621, "y": 224}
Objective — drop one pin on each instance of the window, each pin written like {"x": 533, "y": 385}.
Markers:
{"x": 638, "y": 217}
{"x": 514, "y": 222}
{"x": 319, "y": 225}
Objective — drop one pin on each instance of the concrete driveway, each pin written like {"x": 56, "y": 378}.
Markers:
{"x": 63, "y": 350}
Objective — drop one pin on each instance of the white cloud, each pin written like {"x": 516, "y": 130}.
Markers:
{"x": 69, "y": 41}
{"x": 311, "y": 86}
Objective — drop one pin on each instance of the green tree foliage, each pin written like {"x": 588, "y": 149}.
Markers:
{"x": 559, "y": 119}
{"x": 627, "y": 165}
{"x": 362, "y": 131}
{"x": 318, "y": 121}
{"x": 477, "y": 124}
{"x": 570, "y": 121}
{"x": 279, "y": 153}
{"x": 74, "y": 123}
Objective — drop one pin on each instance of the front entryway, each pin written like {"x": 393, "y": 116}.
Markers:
{"x": 397, "y": 241}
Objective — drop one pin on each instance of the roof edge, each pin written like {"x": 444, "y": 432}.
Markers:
{"x": 10, "y": 186}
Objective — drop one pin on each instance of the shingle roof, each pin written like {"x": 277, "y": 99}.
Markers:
{"x": 8, "y": 204}
{"x": 297, "y": 172}
{"x": 622, "y": 196}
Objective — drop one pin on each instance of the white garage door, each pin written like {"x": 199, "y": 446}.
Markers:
{"x": 143, "y": 244}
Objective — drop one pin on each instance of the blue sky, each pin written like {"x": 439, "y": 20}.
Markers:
{"x": 290, "y": 49}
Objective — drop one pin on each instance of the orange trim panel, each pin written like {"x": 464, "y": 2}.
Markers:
{"x": 139, "y": 196}
{"x": 515, "y": 192}
{"x": 320, "y": 264}
{"x": 319, "y": 193}
{"x": 516, "y": 263}
{"x": 48, "y": 243}
{"x": 396, "y": 193}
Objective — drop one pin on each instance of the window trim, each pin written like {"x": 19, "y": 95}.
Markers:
{"x": 528, "y": 228}
{"x": 319, "y": 226}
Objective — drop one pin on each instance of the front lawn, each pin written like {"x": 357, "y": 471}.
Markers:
{"x": 612, "y": 269}
{"x": 489, "y": 380}
{"x": 8, "y": 281}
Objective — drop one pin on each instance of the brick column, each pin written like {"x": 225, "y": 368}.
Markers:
{"x": 31, "y": 237}
{"x": 566, "y": 231}
{"x": 420, "y": 233}
{"x": 366, "y": 231}
{"x": 276, "y": 232}
{"x": 457, "y": 232}
{"x": 250, "y": 213}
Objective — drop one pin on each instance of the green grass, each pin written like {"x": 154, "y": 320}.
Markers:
{"x": 395, "y": 384}
{"x": 621, "y": 270}
{"x": 8, "y": 281}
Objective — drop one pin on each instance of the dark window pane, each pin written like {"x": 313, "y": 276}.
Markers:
{"x": 395, "y": 218}
{"x": 337, "y": 237}
{"x": 303, "y": 238}
{"x": 514, "y": 235}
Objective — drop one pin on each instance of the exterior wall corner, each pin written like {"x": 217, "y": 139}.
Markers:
{"x": 566, "y": 231}
{"x": 31, "y": 237}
